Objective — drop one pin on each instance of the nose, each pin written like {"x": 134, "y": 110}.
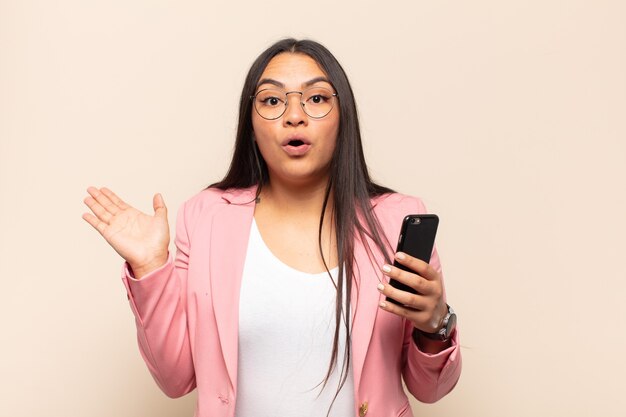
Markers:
{"x": 294, "y": 114}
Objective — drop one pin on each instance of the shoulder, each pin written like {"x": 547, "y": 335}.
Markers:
{"x": 392, "y": 208}
{"x": 398, "y": 202}
{"x": 206, "y": 198}
{"x": 211, "y": 199}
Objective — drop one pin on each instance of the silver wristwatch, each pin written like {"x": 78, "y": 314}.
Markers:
{"x": 448, "y": 326}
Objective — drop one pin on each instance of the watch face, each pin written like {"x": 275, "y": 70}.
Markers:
{"x": 450, "y": 326}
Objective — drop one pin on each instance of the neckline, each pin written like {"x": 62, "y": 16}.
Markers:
{"x": 255, "y": 230}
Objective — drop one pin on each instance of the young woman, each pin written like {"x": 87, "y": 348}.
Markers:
{"x": 274, "y": 302}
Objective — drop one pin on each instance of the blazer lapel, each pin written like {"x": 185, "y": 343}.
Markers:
{"x": 230, "y": 233}
{"x": 364, "y": 303}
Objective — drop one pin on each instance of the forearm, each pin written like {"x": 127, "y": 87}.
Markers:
{"x": 158, "y": 302}
{"x": 430, "y": 376}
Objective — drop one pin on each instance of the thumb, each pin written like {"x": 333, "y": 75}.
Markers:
{"x": 159, "y": 205}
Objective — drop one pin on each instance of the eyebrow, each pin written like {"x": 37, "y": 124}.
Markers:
{"x": 281, "y": 85}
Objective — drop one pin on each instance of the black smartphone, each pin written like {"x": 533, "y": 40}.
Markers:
{"x": 417, "y": 238}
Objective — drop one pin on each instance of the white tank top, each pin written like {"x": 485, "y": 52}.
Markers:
{"x": 286, "y": 328}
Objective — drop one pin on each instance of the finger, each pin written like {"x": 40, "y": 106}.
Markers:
{"x": 114, "y": 198}
{"x": 418, "y": 283}
{"x": 407, "y": 299}
{"x": 103, "y": 200}
{"x": 418, "y": 318}
{"x": 98, "y": 210}
{"x": 420, "y": 267}
{"x": 159, "y": 205}
{"x": 401, "y": 311}
{"x": 93, "y": 220}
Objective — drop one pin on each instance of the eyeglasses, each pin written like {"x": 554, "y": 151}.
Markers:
{"x": 272, "y": 103}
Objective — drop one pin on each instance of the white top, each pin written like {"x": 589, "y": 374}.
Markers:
{"x": 286, "y": 328}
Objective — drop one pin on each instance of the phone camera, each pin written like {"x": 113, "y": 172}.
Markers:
{"x": 416, "y": 220}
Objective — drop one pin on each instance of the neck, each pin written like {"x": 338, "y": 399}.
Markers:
{"x": 300, "y": 199}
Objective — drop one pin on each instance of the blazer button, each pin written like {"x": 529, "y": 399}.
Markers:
{"x": 363, "y": 409}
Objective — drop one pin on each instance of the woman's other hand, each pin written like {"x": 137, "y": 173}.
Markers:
{"x": 141, "y": 239}
{"x": 426, "y": 309}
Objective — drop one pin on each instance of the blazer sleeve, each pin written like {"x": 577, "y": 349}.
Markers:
{"x": 158, "y": 301}
{"x": 429, "y": 377}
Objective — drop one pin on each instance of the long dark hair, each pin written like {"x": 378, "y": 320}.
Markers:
{"x": 349, "y": 182}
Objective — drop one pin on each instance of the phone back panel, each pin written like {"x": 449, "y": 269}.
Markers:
{"x": 417, "y": 238}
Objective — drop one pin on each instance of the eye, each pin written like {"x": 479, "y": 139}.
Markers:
{"x": 271, "y": 101}
{"x": 318, "y": 96}
{"x": 270, "y": 98}
{"x": 318, "y": 99}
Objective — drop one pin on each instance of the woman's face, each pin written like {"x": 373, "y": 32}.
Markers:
{"x": 297, "y": 148}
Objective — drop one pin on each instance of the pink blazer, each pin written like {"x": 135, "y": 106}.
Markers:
{"x": 187, "y": 314}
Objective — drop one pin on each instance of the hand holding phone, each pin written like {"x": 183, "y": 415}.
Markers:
{"x": 417, "y": 239}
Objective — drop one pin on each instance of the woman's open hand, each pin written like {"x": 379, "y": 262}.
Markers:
{"x": 426, "y": 309}
{"x": 141, "y": 239}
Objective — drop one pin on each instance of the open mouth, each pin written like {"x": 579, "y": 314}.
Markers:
{"x": 296, "y": 146}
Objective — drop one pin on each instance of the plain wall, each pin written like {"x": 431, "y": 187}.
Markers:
{"x": 506, "y": 117}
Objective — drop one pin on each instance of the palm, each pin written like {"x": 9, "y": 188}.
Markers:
{"x": 137, "y": 237}
{"x": 131, "y": 232}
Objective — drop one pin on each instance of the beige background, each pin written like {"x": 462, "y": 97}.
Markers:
{"x": 508, "y": 118}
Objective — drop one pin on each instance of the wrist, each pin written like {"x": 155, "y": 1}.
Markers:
{"x": 141, "y": 270}
{"x": 443, "y": 331}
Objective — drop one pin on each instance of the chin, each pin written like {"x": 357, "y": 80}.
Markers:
{"x": 308, "y": 176}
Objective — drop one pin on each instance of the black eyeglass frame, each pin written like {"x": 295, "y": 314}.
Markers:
{"x": 253, "y": 98}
